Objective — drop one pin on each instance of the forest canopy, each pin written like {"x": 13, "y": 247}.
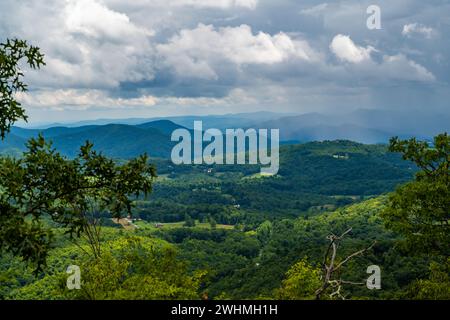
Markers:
{"x": 220, "y": 232}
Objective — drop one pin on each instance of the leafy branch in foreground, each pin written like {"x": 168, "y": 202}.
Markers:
{"x": 420, "y": 210}
{"x": 44, "y": 185}
{"x": 12, "y": 52}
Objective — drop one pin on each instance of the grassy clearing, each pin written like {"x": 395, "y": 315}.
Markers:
{"x": 175, "y": 225}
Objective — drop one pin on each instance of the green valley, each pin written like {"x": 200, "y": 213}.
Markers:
{"x": 229, "y": 233}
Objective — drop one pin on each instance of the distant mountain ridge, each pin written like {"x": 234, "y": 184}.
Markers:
{"x": 120, "y": 140}
{"x": 114, "y": 140}
{"x": 365, "y": 126}
{"x": 217, "y": 121}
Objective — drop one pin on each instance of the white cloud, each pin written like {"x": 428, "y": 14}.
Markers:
{"x": 194, "y": 52}
{"x": 220, "y": 4}
{"x": 97, "y": 50}
{"x": 346, "y": 50}
{"x": 85, "y": 99}
{"x": 415, "y": 28}
{"x": 392, "y": 67}
{"x": 314, "y": 11}
{"x": 72, "y": 99}
{"x": 86, "y": 44}
{"x": 401, "y": 68}
{"x": 93, "y": 19}
{"x": 251, "y": 4}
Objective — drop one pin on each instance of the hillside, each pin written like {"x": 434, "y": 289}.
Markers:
{"x": 240, "y": 264}
{"x": 313, "y": 177}
{"x": 117, "y": 141}
{"x": 114, "y": 140}
{"x": 293, "y": 240}
{"x": 248, "y": 230}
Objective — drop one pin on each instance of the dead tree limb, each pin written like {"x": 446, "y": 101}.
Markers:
{"x": 330, "y": 268}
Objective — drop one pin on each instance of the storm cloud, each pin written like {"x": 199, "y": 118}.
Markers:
{"x": 117, "y": 58}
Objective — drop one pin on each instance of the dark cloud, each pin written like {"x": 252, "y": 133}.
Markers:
{"x": 177, "y": 55}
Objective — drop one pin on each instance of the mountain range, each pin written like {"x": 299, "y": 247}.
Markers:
{"x": 114, "y": 140}
{"x": 126, "y": 138}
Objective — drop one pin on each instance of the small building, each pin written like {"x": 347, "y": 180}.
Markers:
{"x": 341, "y": 156}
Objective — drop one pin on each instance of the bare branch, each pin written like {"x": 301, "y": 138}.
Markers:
{"x": 354, "y": 255}
{"x": 330, "y": 268}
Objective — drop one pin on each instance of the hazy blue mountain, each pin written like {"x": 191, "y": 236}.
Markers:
{"x": 114, "y": 140}
{"x": 49, "y": 132}
{"x": 23, "y": 133}
{"x": 216, "y": 121}
{"x": 421, "y": 124}
{"x": 366, "y": 126}
{"x": 342, "y": 132}
{"x": 12, "y": 145}
{"x": 164, "y": 126}
{"x": 240, "y": 120}
{"x": 83, "y": 123}
{"x": 153, "y": 137}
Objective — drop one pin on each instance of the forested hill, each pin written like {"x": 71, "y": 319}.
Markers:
{"x": 343, "y": 167}
{"x": 288, "y": 241}
{"x": 238, "y": 264}
{"x": 313, "y": 177}
{"x": 114, "y": 140}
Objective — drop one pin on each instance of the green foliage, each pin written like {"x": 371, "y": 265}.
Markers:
{"x": 12, "y": 52}
{"x": 420, "y": 210}
{"x": 436, "y": 287}
{"x": 138, "y": 271}
{"x": 212, "y": 222}
{"x": 311, "y": 181}
{"x": 188, "y": 221}
{"x": 302, "y": 280}
{"x": 44, "y": 185}
{"x": 238, "y": 265}
{"x": 264, "y": 232}
{"x": 432, "y": 160}
{"x": 242, "y": 267}
{"x": 222, "y": 253}
{"x": 131, "y": 268}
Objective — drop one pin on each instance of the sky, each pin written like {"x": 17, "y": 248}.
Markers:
{"x": 152, "y": 58}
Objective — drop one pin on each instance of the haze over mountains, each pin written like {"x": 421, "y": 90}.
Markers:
{"x": 125, "y": 138}
{"x": 211, "y": 121}
{"x": 115, "y": 140}
{"x": 365, "y": 126}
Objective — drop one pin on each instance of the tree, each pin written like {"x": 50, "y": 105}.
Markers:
{"x": 301, "y": 282}
{"x": 188, "y": 221}
{"x": 134, "y": 268}
{"x": 139, "y": 271}
{"x": 420, "y": 210}
{"x": 264, "y": 232}
{"x": 12, "y": 52}
{"x": 437, "y": 287}
{"x": 43, "y": 186}
{"x": 212, "y": 222}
